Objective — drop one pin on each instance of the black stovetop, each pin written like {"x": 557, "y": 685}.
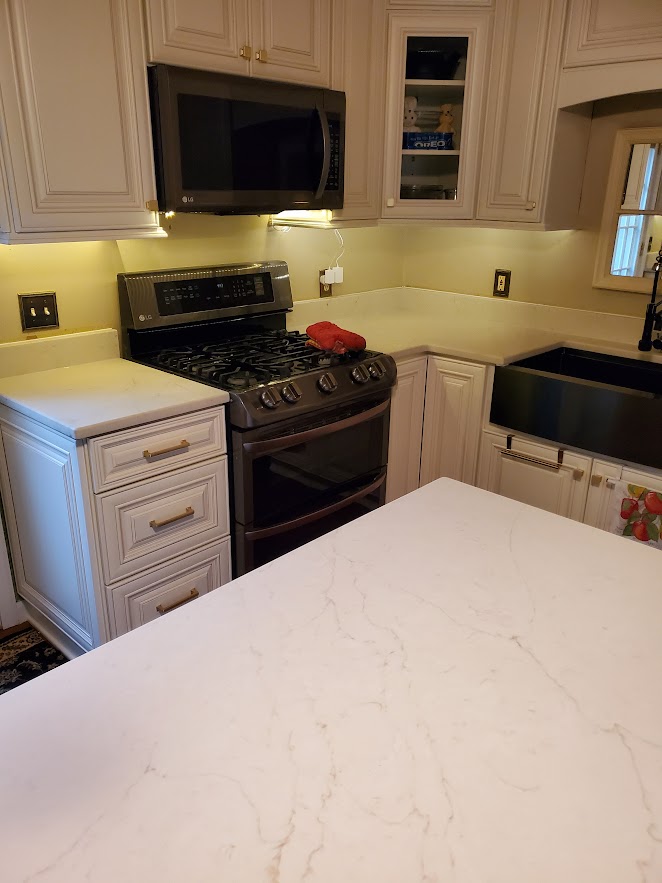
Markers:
{"x": 250, "y": 360}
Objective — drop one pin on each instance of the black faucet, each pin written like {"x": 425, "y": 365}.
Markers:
{"x": 653, "y": 320}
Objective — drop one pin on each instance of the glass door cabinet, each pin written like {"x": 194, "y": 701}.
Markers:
{"x": 435, "y": 96}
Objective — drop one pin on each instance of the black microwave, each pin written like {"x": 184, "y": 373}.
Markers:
{"x": 236, "y": 145}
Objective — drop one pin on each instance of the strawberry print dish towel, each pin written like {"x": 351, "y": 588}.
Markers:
{"x": 636, "y": 512}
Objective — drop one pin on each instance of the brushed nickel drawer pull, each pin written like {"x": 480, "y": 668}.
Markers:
{"x": 527, "y": 458}
{"x": 192, "y": 595}
{"x": 185, "y": 514}
{"x": 180, "y": 446}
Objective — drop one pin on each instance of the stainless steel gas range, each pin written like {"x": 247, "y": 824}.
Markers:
{"x": 308, "y": 429}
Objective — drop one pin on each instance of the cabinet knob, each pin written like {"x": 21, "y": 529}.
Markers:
{"x": 611, "y": 484}
{"x": 578, "y": 474}
{"x": 390, "y": 202}
{"x": 596, "y": 480}
{"x": 246, "y": 52}
{"x": 530, "y": 206}
{"x": 261, "y": 55}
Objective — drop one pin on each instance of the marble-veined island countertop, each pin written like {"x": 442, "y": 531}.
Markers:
{"x": 456, "y": 687}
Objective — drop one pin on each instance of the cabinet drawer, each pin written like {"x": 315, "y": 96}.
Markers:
{"x": 154, "y": 521}
{"x": 122, "y": 457}
{"x": 166, "y": 588}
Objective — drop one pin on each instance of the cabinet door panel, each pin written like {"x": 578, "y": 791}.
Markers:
{"x": 602, "y": 31}
{"x": 451, "y": 428}
{"x": 406, "y": 430}
{"x": 292, "y": 40}
{"x": 521, "y": 109}
{"x": 208, "y": 34}
{"x": 442, "y": 170}
{"x": 165, "y": 588}
{"x": 46, "y": 525}
{"x": 78, "y": 146}
{"x": 603, "y": 476}
{"x": 359, "y": 67}
{"x": 529, "y": 472}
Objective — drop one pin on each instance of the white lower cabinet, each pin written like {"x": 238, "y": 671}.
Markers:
{"x": 406, "y": 430}
{"x": 90, "y": 566}
{"x": 604, "y": 476}
{"x": 436, "y": 414}
{"x": 453, "y": 411}
{"x": 542, "y": 475}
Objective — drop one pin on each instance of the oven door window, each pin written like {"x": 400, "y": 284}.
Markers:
{"x": 300, "y": 478}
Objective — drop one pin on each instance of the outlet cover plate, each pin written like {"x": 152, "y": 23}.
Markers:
{"x": 501, "y": 283}
{"x": 38, "y": 310}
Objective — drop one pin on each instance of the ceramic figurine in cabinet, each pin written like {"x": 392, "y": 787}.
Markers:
{"x": 446, "y": 120}
{"x": 410, "y": 114}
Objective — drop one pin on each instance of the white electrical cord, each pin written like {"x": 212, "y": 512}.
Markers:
{"x": 342, "y": 245}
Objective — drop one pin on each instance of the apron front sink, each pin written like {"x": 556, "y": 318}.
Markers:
{"x": 604, "y": 404}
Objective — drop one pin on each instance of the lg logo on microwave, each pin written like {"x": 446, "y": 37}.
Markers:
{"x": 187, "y": 199}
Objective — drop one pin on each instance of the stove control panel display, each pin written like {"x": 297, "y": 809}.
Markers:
{"x": 215, "y": 293}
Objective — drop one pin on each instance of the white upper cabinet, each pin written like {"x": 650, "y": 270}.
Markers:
{"x": 359, "y": 69}
{"x": 607, "y": 31}
{"x": 612, "y": 47}
{"x": 76, "y": 140}
{"x": 210, "y": 34}
{"x": 286, "y": 40}
{"x": 435, "y": 95}
{"x": 521, "y": 110}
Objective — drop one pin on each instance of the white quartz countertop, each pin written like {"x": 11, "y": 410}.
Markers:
{"x": 408, "y": 322}
{"x": 456, "y": 687}
{"x": 99, "y": 397}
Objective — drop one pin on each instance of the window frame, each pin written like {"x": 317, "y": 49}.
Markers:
{"x": 602, "y": 276}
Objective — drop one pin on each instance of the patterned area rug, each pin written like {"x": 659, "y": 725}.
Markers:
{"x": 25, "y": 655}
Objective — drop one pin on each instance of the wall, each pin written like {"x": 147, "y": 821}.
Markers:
{"x": 84, "y": 274}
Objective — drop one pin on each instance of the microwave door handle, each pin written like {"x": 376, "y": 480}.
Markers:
{"x": 326, "y": 162}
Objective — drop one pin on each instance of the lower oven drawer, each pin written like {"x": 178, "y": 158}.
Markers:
{"x": 257, "y": 546}
{"x": 170, "y": 587}
{"x": 151, "y": 522}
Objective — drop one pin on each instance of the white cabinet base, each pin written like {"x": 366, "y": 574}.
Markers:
{"x": 530, "y": 472}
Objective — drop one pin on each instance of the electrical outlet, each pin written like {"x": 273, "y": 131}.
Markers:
{"x": 38, "y": 310}
{"x": 501, "y": 283}
{"x": 326, "y": 282}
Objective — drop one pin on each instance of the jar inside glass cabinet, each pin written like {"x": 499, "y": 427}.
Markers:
{"x": 432, "y": 116}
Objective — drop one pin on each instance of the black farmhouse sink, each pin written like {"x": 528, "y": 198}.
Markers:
{"x": 592, "y": 401}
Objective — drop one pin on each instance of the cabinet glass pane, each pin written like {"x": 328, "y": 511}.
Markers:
{"x": 432, "y": 116}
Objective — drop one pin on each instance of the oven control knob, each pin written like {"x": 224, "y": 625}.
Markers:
{"x": 327, "y": 383}
{"x": 290, "y": 393}
{"x": 376, "y": 370}
{"x": 359, "y": 374}
{"x": 268, "y": 399}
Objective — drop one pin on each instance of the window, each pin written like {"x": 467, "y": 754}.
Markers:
{"x": 631, "y": 232}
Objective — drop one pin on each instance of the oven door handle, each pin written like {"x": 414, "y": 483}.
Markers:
{"x": 270, "y": 445}
{"x": 265, "y": 532}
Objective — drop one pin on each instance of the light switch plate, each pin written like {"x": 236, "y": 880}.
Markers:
{"x": 38, "y": 310}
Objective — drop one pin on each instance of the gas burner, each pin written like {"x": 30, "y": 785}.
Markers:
{"x": 242, "y": 378}
{"x": 176, "y": 354}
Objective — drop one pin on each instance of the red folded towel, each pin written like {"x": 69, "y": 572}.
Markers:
{"x": 327, "y": 336}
